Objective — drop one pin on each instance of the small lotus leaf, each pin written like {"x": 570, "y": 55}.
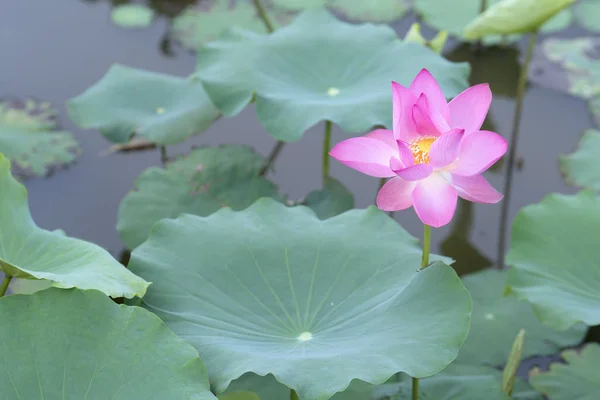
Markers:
{"x": 582, "y": 168}
{"x": 497, "y": 319}
{"x": 162, "y": 108}
{"x": 72, "y": 344}
{"x": 28, "y": 115}
{"x": 554, "y": 253}
{"x": 578, "y": 379}
{"x": 332, "y": 200}
{"x": 27, "y": 251}
{"x": 587, "y": 14}
{"x": 200, "y": 183}
{"x": 315, "y": 69}
{"x": 513, "y": 17}
{"x": 132, "y": 15}
{"x": 274, "y": 289}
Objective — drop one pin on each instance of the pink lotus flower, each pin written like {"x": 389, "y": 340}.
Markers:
{"x": 435, "y": 152}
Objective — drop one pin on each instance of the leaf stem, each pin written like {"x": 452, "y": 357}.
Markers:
{"x": 415, "y": 388}
{"x": 293, "y": 395}
{"x": 483, "y": 7}
{"x": 262, "y": 13}
{"x": 512, "y": 152}
{"x": 426, "y": 245}
{"x": 326, "y": 147}
{"x": 4, "y": 285}
{"x": 164, "y": 157}
{"x": 272, "y": 157}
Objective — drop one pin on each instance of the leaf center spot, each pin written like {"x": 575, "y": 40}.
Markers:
{"x": 160, "y": 110}
{"x": 489, "y": 316}
{"x": 333, "y": 91}
{"x": 305, "y": 336}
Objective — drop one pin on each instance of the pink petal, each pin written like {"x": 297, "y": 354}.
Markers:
{"x": 367, "y": 155}
{"x": 383, "y": 135}
{"x": 445, "y": 149}
{"x": 395, "y": 195}
{"x": 403, "y": 102}
{"x": 478, "y": 151}
{"x": 406, "y": 156}
{"x": 468, "y": 109}
{"x": 426, "y": 83}
{"x": 428, "y": 121}
{"x": 414, "y": 173}
{"x": 475, "y": 188}
{"x": 434, "y": 200}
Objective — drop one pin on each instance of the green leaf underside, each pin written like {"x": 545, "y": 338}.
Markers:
{"x": 71, "y": 344}
{"x": 497, "y": 319}
{"x": 164, "y": 109}
{"x": 200, "y": 183}
{"x": 132, "y": 15}
{"x": 582, "y": 167}
{"x": 27, "y": 251}
{"x": 554, "y": 255}
{"x": 332, "y": 200}
{"x": 273, "y": 289}
{"x": 298, "y": 82}
{"x": 457, "y": 382}
{"x": 453, "y": 16}
{"x": 578, "y": 379}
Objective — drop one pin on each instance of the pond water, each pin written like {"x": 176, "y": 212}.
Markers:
{"x": 55, "y": 50}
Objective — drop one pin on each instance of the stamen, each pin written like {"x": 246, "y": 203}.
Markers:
{"x": 420, "y": 149}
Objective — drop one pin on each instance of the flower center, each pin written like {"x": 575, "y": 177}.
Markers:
{"x": 420, "y": 149}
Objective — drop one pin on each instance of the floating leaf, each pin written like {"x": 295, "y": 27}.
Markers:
{"x": 60, "y": 344}
{"x": 314, "y": 70}
{"x": 457, "y": 382}
{"x": 513, "y": 17}
{"x": 453, "y": 16}
{"x": 332, "y": 200}
{"x": 273, "y": 289}
{"x": 203, "y": 23}
{"x": 200, "y": 183}
{"x": 373, "y": 10}
{"x": 28, "y": 115}
{"x": 27, "y": 251}
{"x": 582, "y": 168}
{"x": 578, "y": 379}
{"x": 132, "y": 15}
{"x": 162, "y": 108}
{"x": 496, "y": 320}
{"x": 587, "y": 14}
{"x": 554, "y": 254}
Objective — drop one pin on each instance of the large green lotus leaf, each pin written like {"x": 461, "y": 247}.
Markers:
{"x": 453, "y": 16}
{"x": 508, "y": 17}
{"x": 582, "y": 168}
{"x": 204, "y": 181}
{"x": 373, "y": 10}
{"x": 314, "y": 69}
{"x": 578, "y": 379}
{"x": 587, "y": 14}
{"x": 132, "y": 15}
{"x": 27, "y": 251}
{"x": 332, "y": 200}
{"x": 199, "y": 24}
{"x": 71, "y": 344}
{"x": 162, "y": 108}
{"x": 274, "y": 289}
{"x": 569, "y": 65}
{"x": 555, "y": 259}
{"x": 457, "y": 382}
{"x": 496, "y": 320}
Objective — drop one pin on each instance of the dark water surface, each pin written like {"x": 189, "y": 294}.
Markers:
{"x": 53, "y": 50}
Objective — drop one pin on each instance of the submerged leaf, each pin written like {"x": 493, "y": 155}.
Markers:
{"x": 274, "y": 289}
{"x": 71, "y": 344}
{"x": 582, "y": 167}
{"x": 132, "y": 15}
{"x": 554, "y": 253}
{"x": 162, "y": 108}
{"x": 332, "y": 200}
{"x": 315, "y": 70}
{"x": 200, "y": 183}
{"x": 27, "y": 251}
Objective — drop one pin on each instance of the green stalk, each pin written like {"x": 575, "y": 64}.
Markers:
{"x": 262, "y": 13}
{"x": 293, "y": 395}
{"x": 272, "y": 157}
{"x": 164, "y": 157}
{"x": 326, "y": 147}
{"x": 415, "y": 388}
{"x": 4, "y": 285}
{"x": 512, "y": 151}
{"x": 483, "y": 7}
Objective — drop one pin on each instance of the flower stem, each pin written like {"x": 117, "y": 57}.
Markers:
{"x": 415, "y": 388}
{"x": 326, "y": 147}
{"x": 483, "y": 7}
{"x": 293, "y": 395}
{"x": 262, "y": 13}
{"x": 4, "y": 285}
{"x": 164, "y": 157}
{"x": 426, "y": 245}
{"x": 272, "y": 157}
{"x": 512, "y": 152}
